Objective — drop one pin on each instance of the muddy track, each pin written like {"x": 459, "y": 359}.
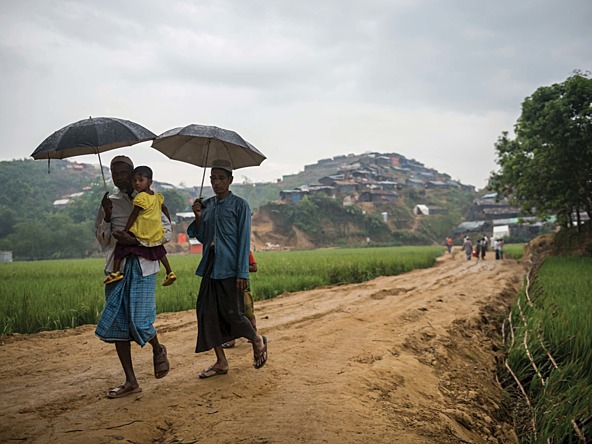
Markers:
{"x": 406, "y": 359}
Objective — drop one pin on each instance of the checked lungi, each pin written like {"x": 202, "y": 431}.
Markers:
{"x": 130, "y": 308}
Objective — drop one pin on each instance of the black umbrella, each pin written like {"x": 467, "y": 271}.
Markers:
{"x": 201, "y": 145}
{"x": 92, "y": 136}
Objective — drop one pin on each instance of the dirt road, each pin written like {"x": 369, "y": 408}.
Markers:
{"x": 405, "y": 359}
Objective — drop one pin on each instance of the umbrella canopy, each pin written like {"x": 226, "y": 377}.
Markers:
{"x": 201, "y": 145}
{"x": 92, "y": 136}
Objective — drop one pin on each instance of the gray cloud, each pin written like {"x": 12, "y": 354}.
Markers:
{"x": 434, "y": 80}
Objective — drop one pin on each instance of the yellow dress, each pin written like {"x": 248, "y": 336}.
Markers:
{"x": 148, "y": 224}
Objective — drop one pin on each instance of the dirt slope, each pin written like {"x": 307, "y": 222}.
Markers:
{"x": 265, "y": 235}
{"x": 406, "y": 359}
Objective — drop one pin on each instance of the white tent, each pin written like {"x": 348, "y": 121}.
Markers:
{"x": 501, "y": 231}
{"x": 421, "y": 210}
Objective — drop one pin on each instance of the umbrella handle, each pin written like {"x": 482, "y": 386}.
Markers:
{"x": 205, "y": 168}
{"x": 102, "y": 173}
{"x": 202, "y": 182}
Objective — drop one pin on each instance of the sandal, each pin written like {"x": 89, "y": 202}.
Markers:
{"x": 261, "y": 358}
{"x": 122, "y": 390}
{"x": 211, "y": 371}
{"x": 113, "y": 277}
{"x": 161, "y": 363}
{"x": 171, "y": 277}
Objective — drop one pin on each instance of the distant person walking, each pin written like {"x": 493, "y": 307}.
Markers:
{"x": 498, "y": 248}
{"x": 449, "y": 244}
{"x": 484, "y": 246}
{"x": 468, "y": 247}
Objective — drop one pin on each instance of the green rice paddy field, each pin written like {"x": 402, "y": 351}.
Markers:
{"x": 59, "y": 294}
{"x": 550, "y": 352}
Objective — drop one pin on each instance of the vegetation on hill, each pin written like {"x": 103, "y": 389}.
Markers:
{"x": 30, "y": 224}
{"x": 35, "y": 226}
{"x": 371, "y": 200}
{"x": 326, "y": 222}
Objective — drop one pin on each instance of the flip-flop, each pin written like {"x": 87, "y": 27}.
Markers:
{"x": 261, "y": 357}
{"x": 121, "y": 391}
{"x": 161, "y": 363}
{"x": 229, "y": 344}
{"x": 212, "y": 371}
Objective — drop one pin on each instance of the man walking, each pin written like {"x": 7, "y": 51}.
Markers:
{"x": 467, "y": 247}
{"x": 130, "y": 307}
{"x": 223, "y": 225}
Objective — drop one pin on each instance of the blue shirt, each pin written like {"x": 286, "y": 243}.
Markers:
{"x": 227, "y": 222}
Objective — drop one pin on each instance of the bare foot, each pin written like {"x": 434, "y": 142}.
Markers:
{"x": 161, "y": 363}
{"x": 259, "y": 351}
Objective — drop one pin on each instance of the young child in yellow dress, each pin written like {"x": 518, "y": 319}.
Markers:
{"x": 145, "y": 223}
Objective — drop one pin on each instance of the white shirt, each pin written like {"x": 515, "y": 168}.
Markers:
{"x": 122, "y": 208}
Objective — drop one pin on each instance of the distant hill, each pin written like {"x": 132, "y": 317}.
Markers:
{"x": 30, "y": 187}
{"x": 393, "y": 164}
{"x": 339, "y": 201}
{"x": 378, "y": 198}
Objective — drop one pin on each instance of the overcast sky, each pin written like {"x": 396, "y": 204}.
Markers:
{"x": 434, "y": 80}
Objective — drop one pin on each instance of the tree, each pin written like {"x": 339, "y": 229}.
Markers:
{"x": 55, "y": 237}
{"x": 7, "y": 220}
{"x": 174, "y": 202}
{"x": 547, "y": 168}
{"x": 84, "y": 208}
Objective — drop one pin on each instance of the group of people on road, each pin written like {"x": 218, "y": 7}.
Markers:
{"x": 132, "y": 226}
{"x": 480, "y": 248}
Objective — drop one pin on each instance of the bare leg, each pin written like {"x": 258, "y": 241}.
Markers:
{"x": 170, "y": 276}
{"x": 157, "y": 351}
{"x": 221, "y": 361}
{"x": 156, "y": 347}
{"x": 130, "y": 385}
{"x": 165, "y": 263}
{"x": 220, "y": 367}
{"x": 124, "y": 352}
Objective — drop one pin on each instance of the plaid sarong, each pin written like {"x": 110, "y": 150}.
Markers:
{"x": 130, "y": 308}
